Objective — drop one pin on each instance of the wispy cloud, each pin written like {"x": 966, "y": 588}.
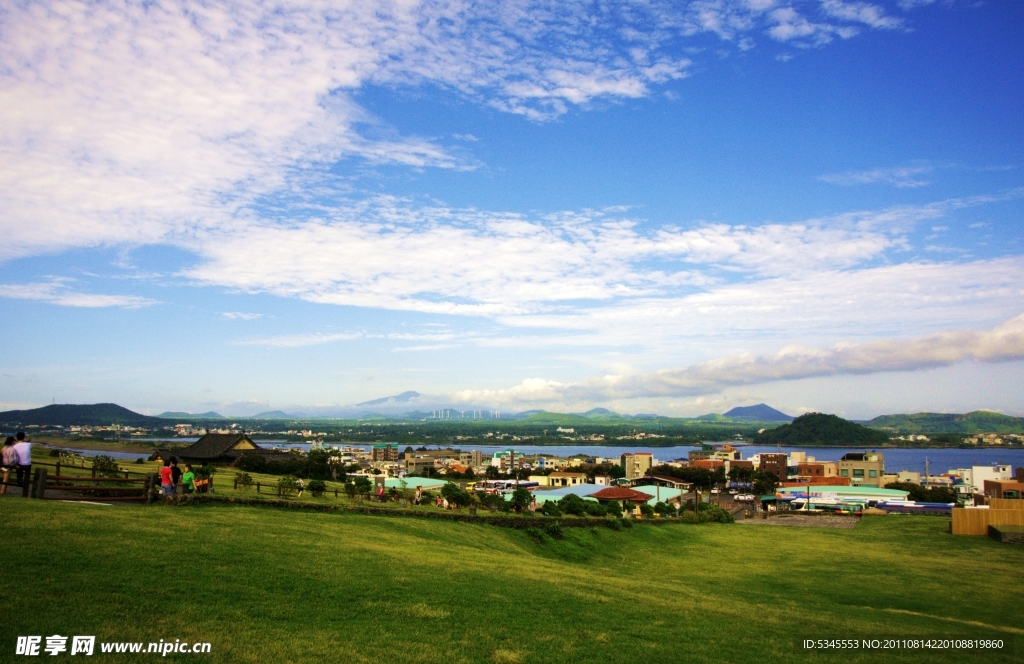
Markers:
{"x": 57, "y": 291}
{"x": 1003, "y": 343}
{"x": 245, "y": 101}
{"x": 299, "y": 340}
{"x": 899, "y": 176}
{"x": 240, "y": 315}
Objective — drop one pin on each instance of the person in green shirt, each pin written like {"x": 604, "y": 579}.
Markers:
{"x": 189, "y": 479}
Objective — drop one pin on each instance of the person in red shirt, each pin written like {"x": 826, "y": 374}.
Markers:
{"x": 167, "y": 479}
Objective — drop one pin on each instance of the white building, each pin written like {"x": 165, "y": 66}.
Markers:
{"x": 975, "y": 476}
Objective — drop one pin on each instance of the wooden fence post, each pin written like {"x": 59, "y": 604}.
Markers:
{"x": 257, "y": 487}
{"x": 40, "y": 488}
{"x": 58, "y": 468}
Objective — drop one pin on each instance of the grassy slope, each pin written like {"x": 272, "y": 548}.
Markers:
{"x": 276, "y": 586}
{"x": 979, "y": 421}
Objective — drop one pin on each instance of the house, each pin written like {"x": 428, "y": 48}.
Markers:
{"x": 385, "y": 452}
{"x": 863, "y": 468}
{"x": 817, "y": 469}
{"x": 557, "y": 479}
{"x": 1004, "y": 489}
{"x": 217, "y": 448}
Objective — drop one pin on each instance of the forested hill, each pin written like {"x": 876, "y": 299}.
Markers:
{"x": 821, "y": 429}
{"x": 97, "y": 414}
{"x": 979, "y": 421}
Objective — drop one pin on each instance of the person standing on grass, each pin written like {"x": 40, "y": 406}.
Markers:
{"x": 23, "y": 450}
{"x": 175, "y": 473}
{"x": 188, "y": 479}
{"x": 167, "y": 479}
{"x": 9, "y": 462}
{"x": 419, "y": 494}
{"x": 302, "y": 487}
{"x": 380, "y": 493}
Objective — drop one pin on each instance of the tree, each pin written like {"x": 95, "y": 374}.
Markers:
{"x": 521, "y": 498}
{"x": 921, "y": 494}
{"x": 765, "y": 483}
{"x": 646, "y": 510}
{"x": 613, "y": 508}
{"x": 106, "y": 466}
{"x": 317, "y": 487}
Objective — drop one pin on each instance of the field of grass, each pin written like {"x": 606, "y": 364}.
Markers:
{"x": 269, "y": 585}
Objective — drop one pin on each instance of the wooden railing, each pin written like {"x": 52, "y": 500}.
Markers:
{"x": 43, "y": 482}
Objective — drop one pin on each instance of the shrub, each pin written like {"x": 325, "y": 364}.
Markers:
{"x": 317, "y": 487}
{"x": 661, "y": 508}
{"x": 646, "y": 510}
{"x": 689, "y": 517}
{"x": 205, "y": 471}
{"x": 573, "y": 504}
{"x": 521, "y": 498}
{"x": 243, "y": 480}
{"x": 554, "y": 530}
{"x": 596, "y": 509}
{"x": 536, "y": 533}
{"x": 615, "y": 524}
{"x": 140, "y": 460}
{"x": 287, "y": 485}
{"x": 550, "y": 508}
{"x": 106, "y": 466}
{"x": 613, "y": 508}
{"x": 456, "y": 496}
{"x": 626, "y": 523}
{"x": 715, "y": 513}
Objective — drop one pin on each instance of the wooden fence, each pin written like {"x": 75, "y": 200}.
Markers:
{"x": 77, "y": 487}
{"x": 1006, "y": 504}
{"x": 967, "y": 521}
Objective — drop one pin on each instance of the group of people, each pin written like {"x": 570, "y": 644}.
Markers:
{"x": 16, "y": 456}
{"x": 171, "y": 476}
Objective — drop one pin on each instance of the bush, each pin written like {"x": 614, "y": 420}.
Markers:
{"x": 550, "y": 508}
{"x": 106, "y": 466}
{"x": 140, "y": 460}
{"x": 536, "y": 533}
{"x": 521, "y": 498}
{"x": 205, "y": 472}
{"x": 596, "y": 509}
{"x": 689, "y": 517}
{"x": 626, "y": 523}
{"x": 456, "y": 496}
{"x": 646, "y": 510}
{"x": 573, "y": 504}
{"x": 287, "y": 485}
{"x": 554, "y": 530}
{"x": 615, "y": 524}
{"x": 717, "y": 514}
{"x": 317, "y": 487}
{"x": 243, "y": 480}
{"x": 613, "y": 508}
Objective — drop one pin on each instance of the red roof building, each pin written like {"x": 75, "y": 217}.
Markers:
{"x": 621, "y": 493}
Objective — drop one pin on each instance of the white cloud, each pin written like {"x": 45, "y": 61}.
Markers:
{"x": 1003, "y": 343}
{"x": 240, "y": 315}
{"x": 56, "y": 291}
{"x": 300, "y": 340}
{"x": 900, "y": 176}
{"x": 136, "y": 123}
{"x": 861, "y": 12}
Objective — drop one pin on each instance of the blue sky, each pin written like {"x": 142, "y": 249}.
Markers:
{"x": 650, "y": 207}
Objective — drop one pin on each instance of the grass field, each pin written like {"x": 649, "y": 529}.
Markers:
{"x": 269, "y": 585}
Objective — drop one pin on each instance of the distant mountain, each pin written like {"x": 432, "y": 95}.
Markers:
{"x": 713, "y": 417}
{"x": 978, "y": 421}
{"x": 759, "y": 413}
{"x": 275, "y": 415}
{"x": 596, "y": 411}
{"x": 178, "y": 414}
{"x": 821, "y": 429}
{"x": 404, "y": 397}
{"x": 98, "y": 414}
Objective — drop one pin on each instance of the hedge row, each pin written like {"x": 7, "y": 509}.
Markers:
{"x": 504, "y": 521}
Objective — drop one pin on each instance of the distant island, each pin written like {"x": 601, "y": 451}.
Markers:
{"x": 819, "y": 429}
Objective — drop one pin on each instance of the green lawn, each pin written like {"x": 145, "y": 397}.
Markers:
{"x": 270, "y": 585}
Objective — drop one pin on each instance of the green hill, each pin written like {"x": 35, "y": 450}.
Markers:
{"x": 180, "y": 414}
{"x": 821, "y": 429}
{"x": 979, "y": 421}
{"x": 97, "y": 414}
